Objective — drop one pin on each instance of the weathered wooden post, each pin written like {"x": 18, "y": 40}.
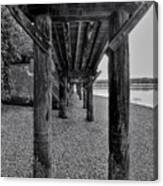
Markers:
{"x": 84, "y": 97}
{"x": 63, "y": 96}
{"x": 71, "y": 89}
{"x": 79, "y": 91}
{"x": 42, "y": 101}
{"x": 118, "y": 102}
{"x": 89, "y": 88}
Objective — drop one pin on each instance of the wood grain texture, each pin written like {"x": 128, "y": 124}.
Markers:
{"x": 118, "y": 103}
{"x": 127, "y": 26}
{"x": 42, "y": 101}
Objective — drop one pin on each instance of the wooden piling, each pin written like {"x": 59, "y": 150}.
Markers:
{"x": 118, "y": 103}
{"x": 42, "y": 101}
{"x": 90, "y": 113}
{"x": 63, "y": 96}
{"x": 79, "y": 91}
{"x": 84, "y": 97}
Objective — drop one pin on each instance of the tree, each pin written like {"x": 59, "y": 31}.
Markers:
{"x": 16, "y": 45}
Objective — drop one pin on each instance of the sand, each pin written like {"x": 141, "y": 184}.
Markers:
{"x": 79, "y": 148}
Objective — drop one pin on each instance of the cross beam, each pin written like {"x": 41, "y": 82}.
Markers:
{"x": 129, "y": 25}
{"x": 41, "y": 40}
{"x": 99, "y": 58}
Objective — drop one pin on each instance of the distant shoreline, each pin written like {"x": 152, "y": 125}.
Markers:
{"x": 135, "y": 83}
{"x": 136, "y": 104}
{"x": 146, "y": 100}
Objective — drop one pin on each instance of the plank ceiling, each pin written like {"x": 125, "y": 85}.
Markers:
{"x": 80, "y": 32}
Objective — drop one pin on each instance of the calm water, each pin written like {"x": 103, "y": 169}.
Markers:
{"x": 141, "y": 97}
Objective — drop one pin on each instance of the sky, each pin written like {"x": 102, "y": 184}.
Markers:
{"x": 140, "y": 50}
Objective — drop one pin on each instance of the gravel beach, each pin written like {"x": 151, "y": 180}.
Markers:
{"x": 79, "y": 148}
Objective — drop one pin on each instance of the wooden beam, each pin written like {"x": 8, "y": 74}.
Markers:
{"x": 58, "y": 44}
{"x": 90, "y": 43}
{"x": 100, "y": 56}
{"x": 42, "y": 102}
{"x": 97, "y": 75}
{"x": 67, "y": 40}
{"x": 98, "y": 46}
{"x": 85, "y": 29}
{"x": 124, "y": 30}
{"x": 78, "y": 19}
{"x": 96, "y": 42}
{"x": 37, "y": 36}
{"x": 78, "y": 48}
{"x": 118, "y": 104}
{"x": 74, "y": 35}
{"x": 69, "y": 44}
{"x": 56, "y": 59}
{"x": 80, "y": 11}
{"x": 62, "y": 43}
{"x": 92, "y": 79}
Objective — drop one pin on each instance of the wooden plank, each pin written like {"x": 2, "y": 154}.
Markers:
{"x": 37, "y": 36}
{"x": 81, "y": 10}
{"x": 42, "y": 102}
{"x": 118, "y": 74}
{"x": 123, "y": 32}
{"x": 78, "y": 19}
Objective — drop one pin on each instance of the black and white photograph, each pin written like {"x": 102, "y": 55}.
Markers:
{"x": 79, "y": 90}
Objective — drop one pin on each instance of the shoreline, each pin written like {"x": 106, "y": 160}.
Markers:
{"x": 132, "y": 103}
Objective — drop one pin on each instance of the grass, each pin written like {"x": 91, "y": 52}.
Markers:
{"x": 79, "y": 148}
